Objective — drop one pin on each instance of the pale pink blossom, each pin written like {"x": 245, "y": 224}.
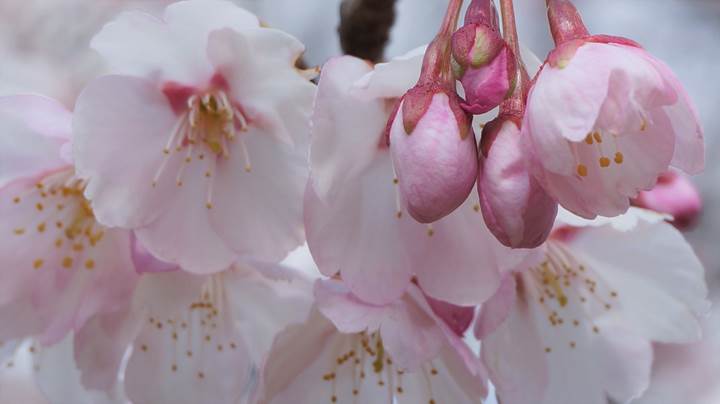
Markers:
{"x": 354, "y": 217}
{"x": 198, "y": 142}
{"x": 575, "y": 326}
{"x": 675, "y": 195}
{"x": 60, "y": 266}
{"x": 351, "y": 351}
{"x": 604, "y": 120}
{"x": 194, "y": 338}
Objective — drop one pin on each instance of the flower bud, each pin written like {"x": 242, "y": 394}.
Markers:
{"x": 676, "y": 195}
{"x": 482, "y": 60}
{"x": 516, "y": 209}
{"x": 434, "y": 152}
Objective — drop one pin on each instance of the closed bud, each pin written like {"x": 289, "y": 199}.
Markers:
{"x": 516, "y": 209}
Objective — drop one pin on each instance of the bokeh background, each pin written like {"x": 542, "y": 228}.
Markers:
{"x": 44, "y": 49}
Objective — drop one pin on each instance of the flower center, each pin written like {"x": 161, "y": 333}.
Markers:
{"x": 362, "y": 357}
{"x": 204, "y": 132}
{"x": 63, "y": 219}
{"x": 569, "y": 293}
{"x": 195, "y": 336}
{"x": 593, "y": 146}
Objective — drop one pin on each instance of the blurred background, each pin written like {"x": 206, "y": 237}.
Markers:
{"x": 44, "y": 49}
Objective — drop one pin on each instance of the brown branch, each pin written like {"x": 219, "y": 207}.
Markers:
{"x": 365, "y": 27}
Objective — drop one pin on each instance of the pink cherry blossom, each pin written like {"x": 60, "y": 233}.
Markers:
{"x": 355, "y": 221}
{"x": 198, "y": 142}
{"x": 675, "y": 195}
{"x": 60, "y": 267}
{"x": 194, "y": 338}
{"x": 352, "y": 351}
{"x": 604, "y": 120}
{"x": 575, "y": 326}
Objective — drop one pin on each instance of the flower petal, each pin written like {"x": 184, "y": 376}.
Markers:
{"x": 117, "y": 118}
{"x": 173, "y": 48}
{"x": 346, "y": 130}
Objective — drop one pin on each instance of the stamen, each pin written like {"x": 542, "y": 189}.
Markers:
{"x": 246, "y": 156}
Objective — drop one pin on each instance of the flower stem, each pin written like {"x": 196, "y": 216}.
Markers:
{"x": 515, "y": 104}
{"x": 436, "y": 64}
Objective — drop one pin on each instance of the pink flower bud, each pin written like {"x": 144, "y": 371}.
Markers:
{"x": 482, "y": 60}
{"x": 434, "y": 152}
{"x": 516, "y": 209}
{"x": 674, "y": 194}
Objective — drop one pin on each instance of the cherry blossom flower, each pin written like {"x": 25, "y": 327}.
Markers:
{"x": 60, "y": 267}
{"x": 194, "y": 338}
{"x": 575, "y": 326}
{"x": 605, "y": 119}
{"x": 352, "y": 351}
{"x": 213, "y": 114}
{"x": 354, "y": 217}
{"x": 675, "y": 195}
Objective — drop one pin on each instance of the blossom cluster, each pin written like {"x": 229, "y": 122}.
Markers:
{"x": 464, "y": 191}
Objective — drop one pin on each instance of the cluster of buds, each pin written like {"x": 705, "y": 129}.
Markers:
{"x": 597, "y": 125}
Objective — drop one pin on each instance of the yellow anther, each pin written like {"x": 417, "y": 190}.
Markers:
{"x": 597, "y": 137}
{"x": 67, "y": 262}
{"x": 582, "y": 170}
{"x": 619, "y": 158}
{"x": 589, "y": 139}
{"x": 604, "y": 162}
{"x": 90, "y": 264}
{"x": 38, "y": 263}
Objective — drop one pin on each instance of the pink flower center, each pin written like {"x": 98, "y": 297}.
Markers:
{"x": 363, "y": 357}
{"x": 204, "y": 131}
{"x": 62, "y": 218}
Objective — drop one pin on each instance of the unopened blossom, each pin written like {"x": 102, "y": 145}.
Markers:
{"x": 516, "y": 209}
{"x": 355, "y": 221}
{"x": 351, "y": 351}
{"x": 605, "y": 119}
{"x": 194, "y": 338}
{"x": 575, "y": 325}
{"x": 59, "y": 265}
{"x": 484, "y": 63}
{"x": 198, "y": 140}
{"x": 675, "y": 195}
{"x": 431, "y": 138}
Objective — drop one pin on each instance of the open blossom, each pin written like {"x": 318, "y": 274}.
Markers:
{"x": 605, "y": 119}
{"x": 351, "y": 351}
{"x": 59, "y": 265}
{"x": 198, "y": 142}
{"x": 355, "y": 221}
{"x": 575, "y": 327}
{"x": 194, "y": 338}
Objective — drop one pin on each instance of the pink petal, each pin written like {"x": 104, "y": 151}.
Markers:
{"x": 43, "y": 115}
{"x": 363, "y": 217}
{"x": 116, "y": 119}
{"x": 346, "y": 130}
{"x": 172, "y": 48}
